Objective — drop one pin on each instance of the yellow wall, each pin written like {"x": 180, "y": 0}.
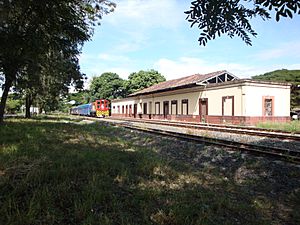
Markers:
{"x": 254, "y": 100}
{"x": 215, "y": 95}
{"x": 247, "y": 99}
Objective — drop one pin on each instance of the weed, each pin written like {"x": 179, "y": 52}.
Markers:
{"x": 293, "y": 126}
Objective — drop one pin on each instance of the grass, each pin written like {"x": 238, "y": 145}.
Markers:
{"x": 63, "y": 171}
{"x": 293, "y": 126}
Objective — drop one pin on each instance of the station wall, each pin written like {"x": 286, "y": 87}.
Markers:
{"x": 255, "y": 96}
{"x": 237, "y": 103}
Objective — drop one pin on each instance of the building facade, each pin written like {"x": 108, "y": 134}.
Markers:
{"x": 218, "y": 97}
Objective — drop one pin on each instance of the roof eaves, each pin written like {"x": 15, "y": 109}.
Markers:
{"x": 163, "y": 90}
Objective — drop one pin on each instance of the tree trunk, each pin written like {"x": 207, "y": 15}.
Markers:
{"x": 28, "y": 104}
{"x": 7, "y": 85}
{"x": 40, "y": 109}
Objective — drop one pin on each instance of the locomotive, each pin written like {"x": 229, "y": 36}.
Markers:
{"x": 99, "y": 108}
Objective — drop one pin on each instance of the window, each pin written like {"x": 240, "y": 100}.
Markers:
{"x": 157, "y": 108}
{"x": 185, "y": 107}
{"x": 118, "y": 109}
{"x": 174, "y": 107}
{"x": 122, "y": 109}
{"x": 145, "y": 108}
{"x": 268, "y": 106}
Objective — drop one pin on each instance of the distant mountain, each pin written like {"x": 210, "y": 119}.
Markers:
{"x": 284, "y": 75}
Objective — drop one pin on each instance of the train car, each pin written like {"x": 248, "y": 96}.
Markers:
{"x": 99, "y": 108}
{"x": 83, "y": 110}
{"x": 102, "y": 107}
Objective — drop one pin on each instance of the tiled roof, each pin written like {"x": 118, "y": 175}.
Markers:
{"x": 180, "y": 82}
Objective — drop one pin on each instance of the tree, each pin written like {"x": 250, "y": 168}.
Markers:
{"x": 143, "y": 79}
{"x": 14, "y": 103}
{"x": 290, "y": 76}
{"x": 56, "y": 76}
{"x": 108, "y": 85}
{"x": 46, "y": 81}
{"x": 31, "y": 28}
{"x": 231, "y": 17}
{"x": 81, "y": 97}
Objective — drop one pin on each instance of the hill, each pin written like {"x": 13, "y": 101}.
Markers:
{"x": 284, "y": 75}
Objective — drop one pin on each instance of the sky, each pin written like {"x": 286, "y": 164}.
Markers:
{"x": 153, "y": 34}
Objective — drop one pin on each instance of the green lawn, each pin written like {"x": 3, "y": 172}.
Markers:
{"x": 62, "y": 171}
{"x": 293, "y": 126}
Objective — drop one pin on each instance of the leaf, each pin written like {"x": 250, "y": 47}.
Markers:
{"x": 277, "y": 16}
{"x": 232, "y": 17}
{"x": 289, "y": 13}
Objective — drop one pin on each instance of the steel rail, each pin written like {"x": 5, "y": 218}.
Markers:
{"x": 286, "y": 154}
{"x": 220, "y": 128}
{"x": 289, "y": 155}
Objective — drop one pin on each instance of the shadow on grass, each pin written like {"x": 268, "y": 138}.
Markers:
{"x": 58, "y": 173}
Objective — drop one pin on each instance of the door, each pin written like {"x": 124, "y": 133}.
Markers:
{"x": 130, "y": 110}
{"x": 203, "y": 109}
{"x": 134, "y": 110}
{"x": 166, "y": 109}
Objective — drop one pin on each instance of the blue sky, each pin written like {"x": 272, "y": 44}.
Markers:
{"x": 153, "y": 34}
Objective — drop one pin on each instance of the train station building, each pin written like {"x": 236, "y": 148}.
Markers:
{"x": 217, "y": 98}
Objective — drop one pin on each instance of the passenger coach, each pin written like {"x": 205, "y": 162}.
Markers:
{"x": 218, "y": 97}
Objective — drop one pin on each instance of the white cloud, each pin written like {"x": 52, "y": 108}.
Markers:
{"x": 114, "y": 58}
{"x": 84, "y": 58}
{"x": 98, "y": 70}
{"x": 148, "y": 13}
{"x": 291, "y": 49}
{"x": 136, "y": 21}
{"x": 122, "y": 72}
{"x": 185, "y": 66}
{"x": 294, "y": 67}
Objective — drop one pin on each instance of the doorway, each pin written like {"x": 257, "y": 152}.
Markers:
{"x": 203, "y": 109}
{"x": 166, "y": 109}
{"x": 134, "y": 110}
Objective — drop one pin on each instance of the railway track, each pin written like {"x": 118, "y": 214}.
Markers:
{"x": 281, "y": 153}
{"x": 224, "y": 128}
{"x": 286, "y": 154}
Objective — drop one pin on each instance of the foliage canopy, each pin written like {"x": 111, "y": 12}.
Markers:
{"x": 32, "y": 29}
{"x": 108, "y": 85}
{"x": 143, "y": 79}
{"x": 232, "y": 17}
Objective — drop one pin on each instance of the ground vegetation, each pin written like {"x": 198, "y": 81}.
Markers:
{"x": 100, "y": 174}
